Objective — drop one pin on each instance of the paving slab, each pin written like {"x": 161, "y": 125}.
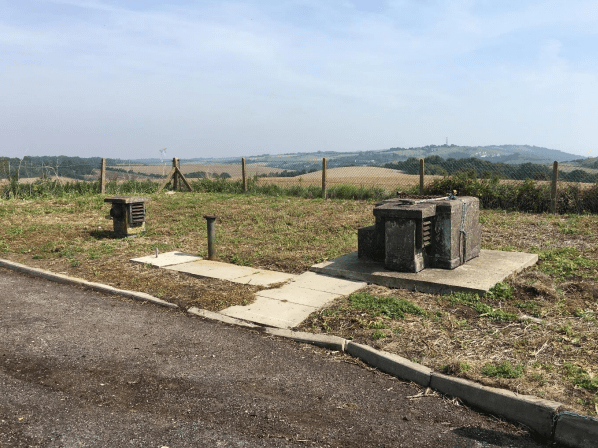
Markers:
{"x": 478, "y": 275}
{"x": 270, "y": 312}
{"x": 325, "y": 283}
{"x": 231, "y": 272}
{"x": 166, "y": 259}
{"x": 295, "y": 294}
{"x": 213, "y": 269}
{"x": 265, "y": 278}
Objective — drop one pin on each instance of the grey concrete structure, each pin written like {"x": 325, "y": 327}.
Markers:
{"x": 128, "y": 215}
{"x": 412, "y": 234}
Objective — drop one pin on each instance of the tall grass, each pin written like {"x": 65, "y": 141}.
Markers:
{"x": 47, "y": 188}
{"x": 527, "y": 196}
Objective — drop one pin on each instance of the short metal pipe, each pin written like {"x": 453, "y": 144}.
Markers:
{"x": 211, "y": 235}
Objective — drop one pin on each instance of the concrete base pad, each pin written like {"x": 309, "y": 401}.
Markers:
{"x": 478, "y": 275}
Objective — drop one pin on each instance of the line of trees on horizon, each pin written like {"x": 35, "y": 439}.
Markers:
{"x": 483, "y": 169}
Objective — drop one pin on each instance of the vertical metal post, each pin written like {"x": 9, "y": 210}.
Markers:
{"x": 421, "y": 176}
{"x": 324, "y": 194}
{"x": 244, "y": 173}
{"x": 103, "y": 177}
{"x": 211, "y": 236}
{"x": 554, "y": 191}
{"x": 175, "y": 177}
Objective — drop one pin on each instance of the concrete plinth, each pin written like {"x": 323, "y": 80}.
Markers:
{"x": 478, "y": 275}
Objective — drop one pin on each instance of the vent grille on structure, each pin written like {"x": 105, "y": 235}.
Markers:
{"x": 426, "y": 232}
{"x": 138, "y": 212}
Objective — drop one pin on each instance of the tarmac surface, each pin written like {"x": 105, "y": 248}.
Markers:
{"x": 83, "y": 369}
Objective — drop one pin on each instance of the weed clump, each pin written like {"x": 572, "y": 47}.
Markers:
{"x": 391, "y": 307}
{"x": 473, "y": 301}
{"x": 580, "y": 377}
{"x": 503, "y": 370}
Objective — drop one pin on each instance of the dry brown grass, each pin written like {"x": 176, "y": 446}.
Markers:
{"x": 288, "y": 234}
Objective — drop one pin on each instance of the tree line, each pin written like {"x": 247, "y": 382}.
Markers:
{"x": 483, "y": 169}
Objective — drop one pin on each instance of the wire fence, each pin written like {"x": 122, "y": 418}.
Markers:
{"x": 307, "y": 172}
{"x": 431, "y": 175}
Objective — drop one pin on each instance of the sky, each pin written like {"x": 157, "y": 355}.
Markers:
{"x": 125, "y": 79}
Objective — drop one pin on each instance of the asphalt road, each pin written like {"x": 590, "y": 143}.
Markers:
{"x": 82, "y": 369}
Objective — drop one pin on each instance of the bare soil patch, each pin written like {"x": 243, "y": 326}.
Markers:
{"x": 544, "y": 325}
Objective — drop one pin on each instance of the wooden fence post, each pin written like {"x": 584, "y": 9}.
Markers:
{"x": 554, "y": 191}
{"x": 244, "y": 174}
{"x": 175, "y": 178}
{"x": 103, "y": 177}
{"x": 421, "y": 176}
{"x": 324, "y": 194}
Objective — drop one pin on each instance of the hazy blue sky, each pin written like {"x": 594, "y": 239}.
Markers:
{"x": 124, "y": 79}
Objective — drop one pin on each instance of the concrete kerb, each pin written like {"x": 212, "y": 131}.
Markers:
{"x": 222, "y": 318}
{"x": 335, "y": 343}
{"x": 392, "y": 364}
{"x": 535, "y": 413}
{"x": 542, "y": 416}
{"x": 61, "y": 278}
{"x": 576, "y": 430}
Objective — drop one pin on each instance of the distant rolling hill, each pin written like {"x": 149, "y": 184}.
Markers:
{"x": 511, "y": 154}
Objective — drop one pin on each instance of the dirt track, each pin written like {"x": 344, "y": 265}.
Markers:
{"x": 81, "y": 369}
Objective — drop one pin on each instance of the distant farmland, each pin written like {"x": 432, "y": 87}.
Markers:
{"x": 233, "y": 170}
{"x": 360, "y": 176}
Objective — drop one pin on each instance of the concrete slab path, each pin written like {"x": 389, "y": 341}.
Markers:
{"x": 166, "y": 259}
{"x": 283, "y": 307}
{"x": 292, "y": 303}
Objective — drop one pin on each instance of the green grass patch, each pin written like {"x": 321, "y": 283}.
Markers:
{"x": 378, "y": 335}
{"x": 473, "y": 301}
{"x": 566, "y": 262}
{"x": 580, "y": 377}
{"x": 500, "y": 291}
{"x": 388, "y": 306}
{"x": 503, "y": 370}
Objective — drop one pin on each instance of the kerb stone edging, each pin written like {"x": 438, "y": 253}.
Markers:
{"x": 221, "y": 318}
{"x": 61, "y": 278}
{"x": 536, "y": 413}
{"x": 335, "y": 343}
{"x": 576, "y": 430}
{"x": 390, "y": 363}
